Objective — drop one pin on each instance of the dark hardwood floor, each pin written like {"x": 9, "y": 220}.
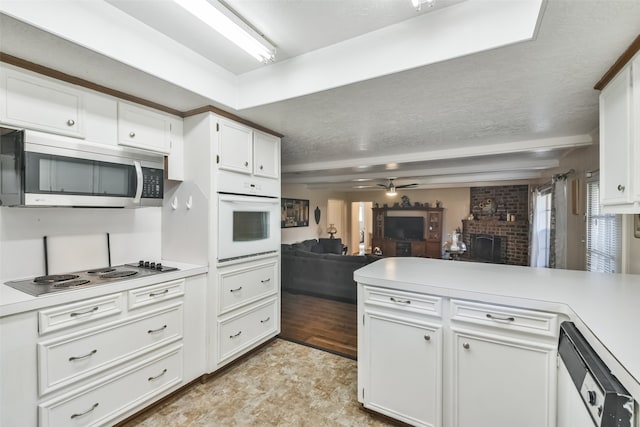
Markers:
{"x": 321, "y": 323}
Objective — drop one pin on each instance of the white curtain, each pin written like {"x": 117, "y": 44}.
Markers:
{"x": 560, "y": 202}
{"x": 541, "y": 225}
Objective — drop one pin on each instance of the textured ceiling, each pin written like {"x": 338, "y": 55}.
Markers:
{"x": 492, "y": 112}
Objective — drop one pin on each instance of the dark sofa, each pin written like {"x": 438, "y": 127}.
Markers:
{"x": 318, "y": 268}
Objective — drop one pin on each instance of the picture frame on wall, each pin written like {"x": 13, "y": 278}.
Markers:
{"x": 294, "y": 213}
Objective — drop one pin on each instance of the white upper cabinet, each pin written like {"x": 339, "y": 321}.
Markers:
{"x": 143, "y": 128}
{"x": 235, "y": 147}
{"x": 266, "y": 155}
{"x": 39, "y": 103}
{"x": 620, "y": 141}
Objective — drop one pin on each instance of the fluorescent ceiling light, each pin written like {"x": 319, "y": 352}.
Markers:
{"x": 221, "y": 19}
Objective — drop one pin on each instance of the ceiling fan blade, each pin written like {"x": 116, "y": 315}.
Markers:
{"x": 381, "y": 185}
{"x": 406, "y": 185}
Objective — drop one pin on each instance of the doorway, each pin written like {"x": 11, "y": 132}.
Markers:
{"x": 361, "y": 227}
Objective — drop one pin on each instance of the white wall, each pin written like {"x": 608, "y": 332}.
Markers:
{"x": 316, "y": 198}
{"x": 134, "y": 234}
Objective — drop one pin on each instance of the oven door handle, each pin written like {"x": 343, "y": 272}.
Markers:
{"x": 249, "y": 200}
{"x": 139, "y": 181}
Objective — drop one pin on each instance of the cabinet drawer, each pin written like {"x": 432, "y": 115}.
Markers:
{"x": 241, "y": 331}
{"x": 68, "y": 315}
{"x": 71, "y": 358}
{"x": 504, "y": 317}
{"x": 155, "y": 293}
{"x": 405, "y": 301}
{"x": 242, "y": 285}
{"x": 100, "y": 402}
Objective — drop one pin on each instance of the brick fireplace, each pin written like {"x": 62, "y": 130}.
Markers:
{"x": 490, "y": 237}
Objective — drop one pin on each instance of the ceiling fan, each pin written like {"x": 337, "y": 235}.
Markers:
{"x": 391, "y": 187}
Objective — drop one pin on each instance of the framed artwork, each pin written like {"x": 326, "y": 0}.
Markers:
{"x": 294, "y": 213}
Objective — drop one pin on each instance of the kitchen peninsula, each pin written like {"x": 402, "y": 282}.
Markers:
{"x": 486, "y": 337}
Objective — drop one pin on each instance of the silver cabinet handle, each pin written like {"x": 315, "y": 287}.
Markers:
{"x": 157, "y": 376}
{"x": 466, "y": 345}
{"x": 236, "y": 289}
{"x": 266, "y": 320}
{"x": 156, "y": 294}
{"x": 153, "y": 331}
{"x": 132, "y": 134}
{"x": 400, "y": 301}
{"x": 427, "y": 337}
{"x": 265, "y": 280}
{"x": 95, "y": 405}
{"x": 80, "y": 313}
{"x": 506, "y": 319}
{"x": 235, "y": 335}
{"x": 139, "y": 181}
{"x": 71, "y": 122}
{"x": 246, "y": 164}
{"x": 621, "y": 188}
{"x": 261, "y": 167}
{"x": 91, "y": 353}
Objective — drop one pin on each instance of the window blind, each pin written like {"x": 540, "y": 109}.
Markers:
{"x": 604, "y": 233}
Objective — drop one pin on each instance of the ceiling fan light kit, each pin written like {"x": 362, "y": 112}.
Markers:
{"x": 391, "y": 188}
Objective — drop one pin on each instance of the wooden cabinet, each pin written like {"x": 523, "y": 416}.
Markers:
{"x": 97, "y": 361}
{"x": 40, "y": 103}
{"x": 423, "y": 359}
{"x": 620, "y": 141}
{"x": 402, "y": 337}
{"x": 430, "y": 246}
{"x": 143, "y": 128}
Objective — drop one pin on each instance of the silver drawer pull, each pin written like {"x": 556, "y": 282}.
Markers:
{"x": 266, "y": 320}
{"x": 265, "y": 280}
{"x": 132, "y": 134}
{"x": 236, "y": 335}
{"x": 157, "y": 376}
{"x": 246, "y": 164}
{"x": 80, "y": 313}
{"x": 506, "y": 319}
{"x": 427, "y": 337}
{"x": 153, "y": 331}
{"x": 400, "y": 301}
{"x": 71, "y": 122}
{"x": 91, "y": 353}
{"x": 95, "y": 405}
{"x": 155, "y": 294}
{"x": 236, "y": 289}
{"x": 466, "y": 346}
{"x": 621, "y": 188}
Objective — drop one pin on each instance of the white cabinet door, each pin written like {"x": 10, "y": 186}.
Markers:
{"x": 266, "y": 155}
{"x": 40, "y": 104}
{"x": 175, "y": 160}
{"x": 235, "y": 143}
{"x": 143, "y": 128}
{"x": 615, "y": 139}
{"x": 635, "y": 130}
{"x": 502, "y": 382}
{"x": 403, "y": 365}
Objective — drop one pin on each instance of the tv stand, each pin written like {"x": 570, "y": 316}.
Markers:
{"x": 429, "y": 247}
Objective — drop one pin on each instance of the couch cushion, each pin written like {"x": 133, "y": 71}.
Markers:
{"x": 331, "y": 246}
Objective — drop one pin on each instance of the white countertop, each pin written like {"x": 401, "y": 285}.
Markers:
{"x": 13, "y": 301}
{"x": 605, "y": 307}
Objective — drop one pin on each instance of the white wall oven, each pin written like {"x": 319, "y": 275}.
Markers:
{"x": 247, "y": 226}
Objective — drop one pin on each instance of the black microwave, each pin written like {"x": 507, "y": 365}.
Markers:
{"x": 39, "y": 169}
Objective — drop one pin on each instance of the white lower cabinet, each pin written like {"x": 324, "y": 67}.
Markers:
{"x": 404, "y": 365}
{"x": 432, "y": 361}
{"x": 99, "y": 360}
{"x": 498, "y": 381}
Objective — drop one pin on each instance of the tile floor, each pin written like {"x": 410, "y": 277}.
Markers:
{"x": 283, "y": 384}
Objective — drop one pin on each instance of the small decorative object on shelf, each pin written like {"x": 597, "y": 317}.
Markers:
{"x": 377, "y": 251}
{"x": 316, "y": 214}
{"x": 438, "y": 204}
{"x": 405, "y": 202}
{"x": 332, "y": 230}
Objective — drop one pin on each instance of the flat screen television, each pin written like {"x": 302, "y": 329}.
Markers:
{"x": 404, "y": 227}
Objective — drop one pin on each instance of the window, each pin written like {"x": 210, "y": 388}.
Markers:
{"x": 604, "y": 233}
